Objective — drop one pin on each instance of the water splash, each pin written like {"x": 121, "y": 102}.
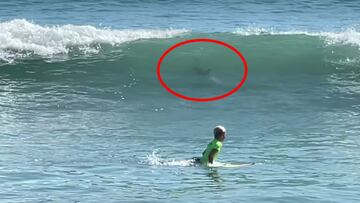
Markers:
{"x": 154, "y": 159}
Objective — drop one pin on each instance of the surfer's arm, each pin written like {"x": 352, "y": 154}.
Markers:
{"x": 212, "y": 155}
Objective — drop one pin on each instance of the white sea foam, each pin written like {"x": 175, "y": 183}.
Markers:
{"x": 350, "y": 36}
{"x": 19, "y": 37}
{"x": 248, "y": 31}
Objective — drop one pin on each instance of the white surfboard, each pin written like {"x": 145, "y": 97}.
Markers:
{"x": 229, "y": 165}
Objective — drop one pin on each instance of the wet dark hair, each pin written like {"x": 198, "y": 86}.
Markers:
{"x": 218, "y": 132}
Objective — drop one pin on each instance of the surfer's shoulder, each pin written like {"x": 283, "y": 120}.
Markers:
{"x": 218, "y": 144}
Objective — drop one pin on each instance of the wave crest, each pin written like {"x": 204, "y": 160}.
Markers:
{"x": 349, "y": 36}
{"x": 20, "y": 37}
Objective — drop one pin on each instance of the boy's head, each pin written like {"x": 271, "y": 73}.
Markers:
{"x": 219, "y": 133}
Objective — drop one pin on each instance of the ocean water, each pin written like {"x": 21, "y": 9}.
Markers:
{"x": 83, "y": 117}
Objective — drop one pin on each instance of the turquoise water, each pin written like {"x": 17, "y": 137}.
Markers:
{"x": 84, "y": 118}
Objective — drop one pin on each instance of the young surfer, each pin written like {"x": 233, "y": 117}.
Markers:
{"x": 213, "y": 148}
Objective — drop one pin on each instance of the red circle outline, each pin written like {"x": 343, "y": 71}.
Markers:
{"x": 195, "y": 99}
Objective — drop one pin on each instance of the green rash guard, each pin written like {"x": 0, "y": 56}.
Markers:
{"x": 215, "y": 144}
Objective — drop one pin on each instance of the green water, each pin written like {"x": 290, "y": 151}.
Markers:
{"x": 89, "y": 127}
